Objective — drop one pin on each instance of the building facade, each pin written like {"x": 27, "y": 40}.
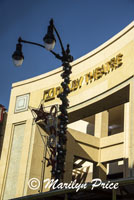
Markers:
{"x": 101, "y": 120}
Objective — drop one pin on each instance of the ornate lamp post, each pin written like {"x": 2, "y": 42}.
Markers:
{"x": 66, "y": 58}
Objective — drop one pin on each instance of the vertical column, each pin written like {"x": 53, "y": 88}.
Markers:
{"x": 66, "y": 197}
{"x": 99, "y": 171}
{"x": 101, "y": 130}
{"x": 113, "y": 194}
{"x": 101, "y": 124}
{"x": 126, "y": 139}
{"x": 129, "y": 133}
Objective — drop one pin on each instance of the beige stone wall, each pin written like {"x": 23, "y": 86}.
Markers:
{"x": 14, "y": 165}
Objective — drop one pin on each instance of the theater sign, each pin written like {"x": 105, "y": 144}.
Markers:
{"x": 94, "y": 75}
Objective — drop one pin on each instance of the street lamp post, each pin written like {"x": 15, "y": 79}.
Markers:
{"x": 66, "y": 58}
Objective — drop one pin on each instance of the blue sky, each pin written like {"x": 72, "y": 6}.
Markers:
{"x": 84, "y": 24}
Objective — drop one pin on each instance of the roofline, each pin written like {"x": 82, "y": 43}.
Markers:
{"x": 79, "y": 60}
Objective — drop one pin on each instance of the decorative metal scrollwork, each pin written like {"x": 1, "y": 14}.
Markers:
{"x": 48, "y": 121}
{"x": 51, "y": 141}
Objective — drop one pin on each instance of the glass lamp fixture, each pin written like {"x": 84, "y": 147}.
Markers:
{"x": 49, "y": 39}
{"x": 18, "y": 56}
{"x": 49, "y": 42}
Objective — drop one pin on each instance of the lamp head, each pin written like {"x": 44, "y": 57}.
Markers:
{"x": 49, "y": 39}
{"x": 18, "y": 55}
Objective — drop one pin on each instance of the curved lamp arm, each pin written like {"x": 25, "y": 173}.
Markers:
{"x": 18, "y": 55}
{"x": 52, "y": 24}
{"x": 40, "y": 45}
{"x": 28, "y": 42}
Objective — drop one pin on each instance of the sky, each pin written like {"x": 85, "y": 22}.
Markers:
{"x": 84, "y": 24}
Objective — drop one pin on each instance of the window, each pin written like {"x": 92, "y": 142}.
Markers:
{"x": 85, "y": 125}
{"x": 22, "y": 103}
{"x": 116, "y": 120}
